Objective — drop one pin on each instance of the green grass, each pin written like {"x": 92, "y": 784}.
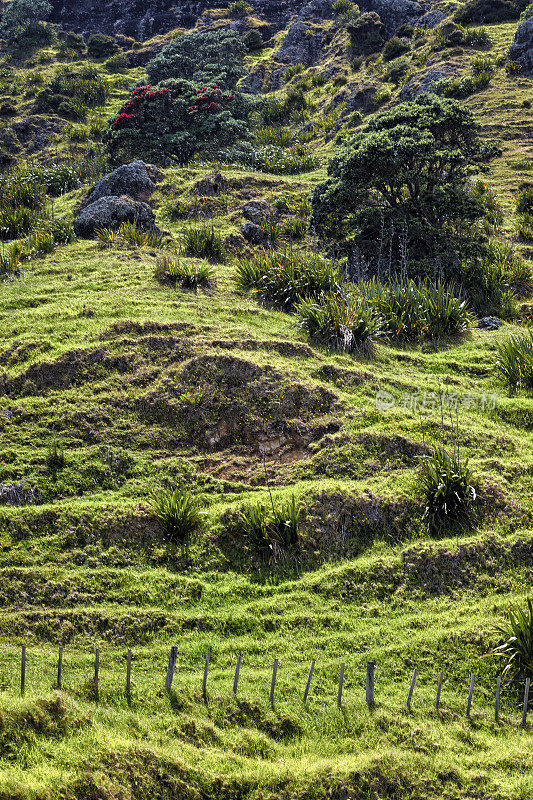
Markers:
{"x": 113, "y": 384}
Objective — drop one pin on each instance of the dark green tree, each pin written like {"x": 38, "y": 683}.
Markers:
{"x": 213, "y": 57}
{"x": 21, "y": 22}
{"x": 398, "y": 190}
{"x": 173, "y": 121}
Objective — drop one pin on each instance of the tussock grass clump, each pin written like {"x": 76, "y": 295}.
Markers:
{"x": 204, "y": 242}
{"x": 448, "y": 491}
{"x": 130, "y": 236}
{"x": 271, "y": 534}
{"x": 178, "y": 513}
{"x": 517, "y": 647}
{"x": 284, "y": 278}
{"x": 514, "y": 362}
{"x": 348, "y": 324}
{"x": 15, "y": 222}
{"x": 188, "y": 275}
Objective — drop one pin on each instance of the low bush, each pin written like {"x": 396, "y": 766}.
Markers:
{"x": 448, "y": 491}
{"x": 477, "y": 37}
{"x": 10, "y": 263}
{"x": 524, "y": 198}
{"x": 394, "y": 48}
{"x": 117, "y": 63}
{"x": 273, "y": 158}
{"x": 417, "y": 310}
{"x": 294, "y": 69}
{"x": 16, "y": 222}
{"x": 347, "y": 324}
{"x": 178, "y": 513}
{"x": 284, "y": 278}
{"x": 204, "y": 242}
{"x": 188, "y": 275}
{"x": 101, "y": 46}
{"x": 295, "y": 228}
{"x": 130, "y": 236}
{"x": 487, "y": 11}
{"x": 514, "y": 361}
{"x": 517, "y": 647}
{"x": 524, "y": 227}
{"x": 281, "y": 136}
{"x": 253, "y": 41}
{"x": 270, "y": 535}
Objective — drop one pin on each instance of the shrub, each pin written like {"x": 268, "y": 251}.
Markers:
{"x": 239, "y": 9}
{"x": 449, "y": 495}
{"x": 417, "y": 311}
{"x": 486, "y": 12}
{"x": 394, "y": 48}
{"x": 204, "y": 242}
{"x": 117, "y": 63}
{"x": 514, "y": 362}
{"x": 187, "y": 275}
{"x": 10, "y": 263}
{"x": 175, "y": 120}
{"x": 276, "y": 159}
{"x": 280, "y": 136}
{"x": 284, "y": 278}
{"x": 510, "y": 268}
{"x": 524, "y": 227}
{"x": 366, "y": 33}
{"x": 517, "y": 647}
{"x": 292, "y": 70}
{"x": 178, "y": 513}
{"x": 295, "y": 228}
{"x": 485, "y": 194}
{"x": 75, "y": 41}
{"x": 348, "y": 324}
{"x": 16, "y": 222}
{"x": 21, "y": 23}
{"x": 527, "y": 12}
{"x": 524, "y": 199}
{"x": 253, "y": 41}
{"x": 101, "y": 46}
{"x": 210, "y": 57}
{"x": 343, "y": 7}
{"x": 477, "y": 37}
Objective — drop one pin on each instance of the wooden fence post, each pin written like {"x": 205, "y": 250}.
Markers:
{"x": 236, "y": 678}
{"x": 128, "y": 671}
{"x": 308, "y": 684}
{"x": 439, "y": 688}
{"x": 470, "y": 693}
{"x": 23, "y": 670}
{"x": 273, "y": 682}
{"x": 204, "y": 682}
{"x": 497, "y": 703}
{"x": 171, "y": 667}
{"x": 96, "y": 670}
{"x": 411, "y": 689}
{"x": 370, "y": 683}
{"x": 59, "y": 666}
{"x": 526, "y": 701}
{"x": 341, "y": 681}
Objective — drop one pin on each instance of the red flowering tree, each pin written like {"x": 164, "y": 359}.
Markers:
{"x": 173, "y": 121}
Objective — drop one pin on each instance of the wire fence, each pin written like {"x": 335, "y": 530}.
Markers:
{"x": 88, "y": 673}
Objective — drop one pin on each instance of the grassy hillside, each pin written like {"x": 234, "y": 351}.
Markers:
{"x": 114, "y": 383}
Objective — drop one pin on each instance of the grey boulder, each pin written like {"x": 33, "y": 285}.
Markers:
{"x": 132, "y": 179}
{"x": 522, "y": 47}
{"x": 111, "y": 212}
{"x": 253, "y": 233}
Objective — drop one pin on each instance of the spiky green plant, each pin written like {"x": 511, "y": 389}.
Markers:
{"x": 254, "y": 527}
{"x": 449, "y": 494}
{"x": 343, "y": 323}
{"x": 514, "y": 362}
{"x": 189, "y": 275}
{"x": 132, "y": 236}
{"x": 178, "y": 513}
{"x": 283, "y": 278}
{"x": 517, "y": 645}
{"x": 286, "y": 525}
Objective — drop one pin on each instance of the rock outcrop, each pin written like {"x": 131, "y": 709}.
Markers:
{"x": 522, "y": 47}
{"x": 134, "y": 180}
{"x": 111, "y": 212}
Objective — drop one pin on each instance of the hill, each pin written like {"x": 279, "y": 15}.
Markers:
{"x": 137, "y": 361}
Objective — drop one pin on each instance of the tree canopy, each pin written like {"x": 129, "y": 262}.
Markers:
{"x": 212, "y": 57}
{"x": 399, "y": 188}
{"x": 19, "y": 14}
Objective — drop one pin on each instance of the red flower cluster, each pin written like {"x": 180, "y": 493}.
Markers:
{"x": 137, "y": 98}
{"x": 122, "y": 121}
{"x": 209, "y": 99}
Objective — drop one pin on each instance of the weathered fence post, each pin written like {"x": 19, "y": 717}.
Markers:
{"x": 128, "y": 671}
{"x": 439, "y": 689}
{"x": 273, "y": 682}
{"x": 59, "y": 666}
{"x": 341, "y": 681}
{"x": 23, "y": 670}
{"x": 497, "y": 703}
{"x": 526, "y": 701}
{"x": 171, "y": 667}
{"x": 308, "y": 684}
{"x": 470, "y": 693}
{"x": 96, "y": 670}
{"x": 411, "y": 689}
{"x": 236, "y": 678}
{"x": 204, "y": 682}
{"x": 370, "y": 683}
